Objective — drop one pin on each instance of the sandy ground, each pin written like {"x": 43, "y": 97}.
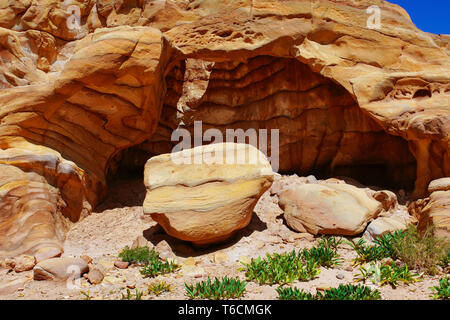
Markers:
{"x": 120, "y": 220}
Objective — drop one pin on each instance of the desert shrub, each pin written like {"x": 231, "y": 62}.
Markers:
{"x": 288, "y": 293}
{"x": 343, "y": 292}
{"x": 281, "y": 268}
{"x": 129, "y": 296}
{"x": 386, "y": 274}
{"x": 383, "y": 248}
{"x": 303, "y": 265}
{"x": 225, "y": 288}
{"x": 159, "y": 287}
{"x": 141, "y": 255}
{"x": 157, "y": 267}
{"x": 325, "y": 253}
{"x": 442, "y": 292}
{"x": 422, "y": 251}
{"x": 349, "y": 292}
{"x": 152, "y": 264}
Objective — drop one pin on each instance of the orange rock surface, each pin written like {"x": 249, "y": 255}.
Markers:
{"x": 76, "y": 101}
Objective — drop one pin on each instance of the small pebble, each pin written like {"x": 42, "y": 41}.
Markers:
{"x": 340, "y": 276}
{"x": 121, "y": 264}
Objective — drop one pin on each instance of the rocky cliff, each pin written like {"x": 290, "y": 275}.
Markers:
{"x": 88, "y": 85}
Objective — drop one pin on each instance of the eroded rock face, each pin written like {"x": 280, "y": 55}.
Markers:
{"x": 75, "y": 100}
{"x": 206, "y": 193}
{"x": 328, "y": 208}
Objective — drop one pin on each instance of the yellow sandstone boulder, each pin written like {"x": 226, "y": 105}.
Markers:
{"x": 328, "y": 208}
{"x": 206, "y": 193}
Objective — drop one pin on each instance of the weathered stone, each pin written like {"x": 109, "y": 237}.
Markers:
{"x": 164, "y": 249}
{"x": 95, "y": 275}
{"x": 328, "y": 208}
{"x": 387, "y": 198}
{"x": 386, "y": 224}
{"x": 141, "y": 242}
{"x": 206, "y": 201}
{"x": 60, "y": 269}
{"x": 11, "y": 286}
{"x": 442, "y": 184}
{"x": 436, "y": 213}
{"x": 24, "y": 263}
{"x": 121, "y": 264}
{"x": 86, "y": 258}
{"x": 47, "y": 253}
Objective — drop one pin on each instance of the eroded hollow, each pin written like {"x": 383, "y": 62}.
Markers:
{"x": 322, "y": 130}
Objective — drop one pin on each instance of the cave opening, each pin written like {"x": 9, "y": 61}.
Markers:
{"x": 322, "y": 130}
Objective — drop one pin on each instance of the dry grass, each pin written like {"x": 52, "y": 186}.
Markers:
{"x": 421, "y": 252}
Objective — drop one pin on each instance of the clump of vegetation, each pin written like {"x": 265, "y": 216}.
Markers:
{"x": 157, "y": 267}
{"x": 387, "y": 274}
{"x": 289, "y": 293}
{"x": 442, "y": 292}
{"x": 152, "y": 264}
{"x": 349, "y": 292}
{"x": 303, "y": 265}
{"x": 281, "y": 269}
{"x": 139, "y": 255}
{"x": 383, "y": 248}
{"x": 343, "y": 292}
{"x": 422, "y": 251}
{"x": 325, "y": 254}
{"x": 226, "y": 288}
{"x": 129, "y": 296}
{"x": 159, "y": 287}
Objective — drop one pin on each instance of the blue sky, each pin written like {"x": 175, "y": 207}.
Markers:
{"x": 428, "y": 15}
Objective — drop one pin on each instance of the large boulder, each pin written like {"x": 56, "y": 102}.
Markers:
{"x": 328, "y": 208}
{"x": 199, "y": 195}
{"x": 60, "y": 269}
{"x": 389, "y": 223}
{"x": 437, "y": 214}
{"x": 434, "y": 211}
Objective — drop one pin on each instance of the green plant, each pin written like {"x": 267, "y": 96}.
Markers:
{"x": 281, "y": 268}
{"x": 157, "y": 267}
{"x": 129, "y": 296}
{"x": 386, "y": 274}
{"x": 294, "y": 294}
{"x": 87, "y": 295}
{"x": 226, "y": 288}
{"x": 422, "y": 251}
{"x": 443, "y": 290}
{"x": 383, "y": 248}
{"x": 153, "y": 265}
{"x": 159, "y": 287}
{"x": 141, "y": 255}
{"x": 325, "y": 254}
{"x": 349, "y": 292}
{"x": 343, "y": 292}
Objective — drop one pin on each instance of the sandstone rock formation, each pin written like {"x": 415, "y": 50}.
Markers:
{"x": 328, "y": 208}
{"x": 435, "y": 210}
{"x": 60, "y": 269}
{"x": 206, "y": 193}
{"x": 90, "y": 85}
